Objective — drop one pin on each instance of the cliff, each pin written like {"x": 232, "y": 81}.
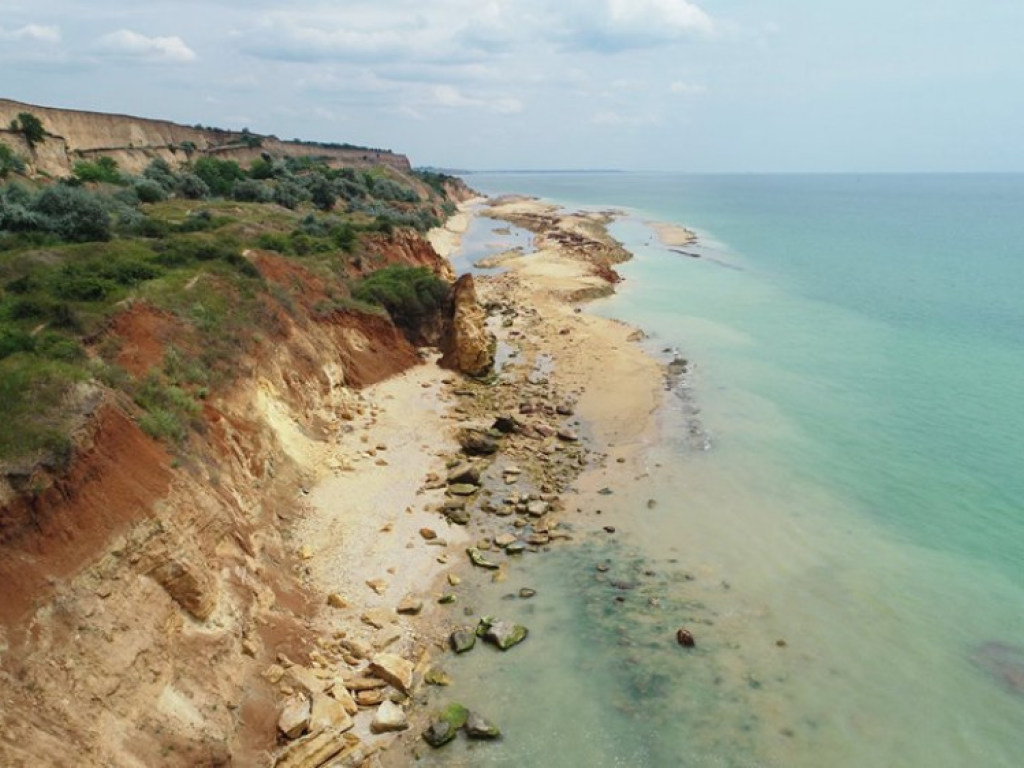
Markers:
{"x": 74, "y": 135}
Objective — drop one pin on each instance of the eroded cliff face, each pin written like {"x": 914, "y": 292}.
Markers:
{"x": 144, "y": 592}
{"x": 75, "y": 135}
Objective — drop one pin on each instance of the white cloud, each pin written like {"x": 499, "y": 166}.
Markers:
{"x": 35, "y": 32}
{"x": 451, "y": 97}
{"x": 687, "y": 89}
{"x": 129, "y": 44}
{"x": 613, "y": 118}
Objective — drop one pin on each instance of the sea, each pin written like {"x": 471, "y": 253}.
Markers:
{"x": 834, "y": 506}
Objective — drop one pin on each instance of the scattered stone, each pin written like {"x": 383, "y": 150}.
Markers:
{"x": 538, "y": 540}
{"x": 504, "y": 539}
{"x": 477, "y": 443}
{"x": 396, "y": 670}
{"x": 781, "y": 643}
{"x": 458, "y": 516}
{"x": 568, "y": 436}
{"x": 410, "y": 606}
{"x": 479, "y": 728}
{"x": 249, "y": 648}
{"x": 446, "y": 599}
{"x": 462, "y": 640}
{"x": 455, "y": 715}
{"x": 438, "y": 734}
{"x": 609, "y": 529}
{"x": 326, "y": 712}
{"x": 378, "y": 585}
{"x": 512, "y": 470}
{"x": 515, "y": 548}
{"x": 273, "y": 674}
{"x": 336, "y": 601}
{"x": 358, "y": 648}
{"x": 462, "y": 489}
{"x": 306, "y": 552}
{"x": 369, "y": 698}
{"x": 537, "y": 508}
{"x": 685, "y": 638}
{"x": 454, "y": 580}
{"x": 503, "y": 634}
{"x": 428, "y": 534}
{"x": 319, "y": 749}
{"x": 564, "y": 409}
{"x": 606, "y": 492}
{"x": 359, "y": 684}
{"x": 341, "y": 694}
{"x": 294, "y": 718}
{"x": 506, "y": 425}
{"x": 389, "y": 717}
{"x": 464, "y": 473}
{"x": 377, "y": 618}
{"x": 526, "y": 593}
{"x": 437, "y": 676}
{"x": 477, "y": 558}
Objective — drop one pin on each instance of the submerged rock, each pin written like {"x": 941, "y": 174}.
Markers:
{"x": 477, "y": 558}
{"x": 439, "y": 733}
{"x": 455, "y": 715}
{"x": 685, "y": 638}
{"x": 462, "y": 640}
{"x": 503, "y": 634}
{"x": 479, "y": 728}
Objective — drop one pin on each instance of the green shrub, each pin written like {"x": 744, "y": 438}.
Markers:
{"x": 29, "y": 126}
{"x": 13, "y": 340}
{"x": 160, "y": 172}
{"x": 150, "y": 191}
{"x": 408, "y": 293}
{"x": 251, "y": 191}
{"x": 192, "y": 187}
{"x": 103, "y": 170}
{"x": 289, "y": 194}
{"x": 71, "y": 213}
{"x": 218, "y": 175}
{"x": 10, "y": 162}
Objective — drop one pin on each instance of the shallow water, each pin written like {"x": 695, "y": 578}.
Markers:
{"x": 857, "y": 376}
{"x": 486, "y": 238}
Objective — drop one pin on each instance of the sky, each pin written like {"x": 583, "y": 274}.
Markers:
{"x": 738, "y": 86}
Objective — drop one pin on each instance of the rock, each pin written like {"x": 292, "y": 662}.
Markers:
{"x": 564, "y": 409}
{"x": 341, "y": 694}
{"x": 370, "y": 698}
{"x": 507, "y": 425}
{"x": 389, "y": 717}
{"x": 378, "y": 585}
{"x": 446, "y": 599}
{"x": 466, "y": 472}
{"x": 273, "y": 674}
{"x": 462, "y": 640}
{"x": 428, "y": 534}
{"x": 437, "y": 676}
{"x": 479, "y": 728}
{"x": 503, "y": 634}
{"x": 439, "y": 733}
{"x": 462, "y": 489}
{"x": 685, "y": 638}
{"x": 538, "y": 540}
{"x": 396, "y": 670}
{"x": 454, "y": 580}
{"x": 295, "y": 715}
{"x": 504, "y": 539}
{"x": 455, "y": 715}
{"x": 249, "y": 648}
{"x": 190, "y": 585}
{"x": 526, "y": 593}
{"x": 537, "y": 508}
{"x": 477, "y": 443}
{"x": 515, "y": 548}
{"x": 458, "y": 516}
{"x": 568, "y": 436}
{"x": 360, "y": 684}
{"x": 358, "y": 648}
{"x": 410, "y": 606}
{"x": 609, "y": 529}
{"x": 302, "y": 679}
{"x": 378, "y": 618}
{"x": 315, "y": 751}
{"x": 336, "y": 601}
{"x": 466, "y": 344}
{"x": 477, "y": 558}
{"x": 326, "y": 712}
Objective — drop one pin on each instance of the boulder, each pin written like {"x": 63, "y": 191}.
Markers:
{"x": 466, "y": 344}
{"x": 396, "y": 670}
{"x": 410, "y": 606}
{"x": 439, "y": 733}
{"x": 189, "y": 584}
{"x": 507, "y": 424}
{"x": 437, "y": 676}
{"x": 315, "y": 751}
{"x": 388, "y": 718}
{"x": 503, "y": 634}
{"x": 465, "y": 472}
{"x": 478, "y": 727}
{"x": 295, "y": 715}
{"x": 477, "y": 443}
{"x": 462, "y": 640}
{"x": 326, "y": 712}
{"x": 455, "y": 715}
{"x": 462, "y": 489}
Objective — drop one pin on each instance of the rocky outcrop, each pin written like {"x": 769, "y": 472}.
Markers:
{"x": 467, "y": 345}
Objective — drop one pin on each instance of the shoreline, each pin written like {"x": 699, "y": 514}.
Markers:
{"x": 582, "y": 393}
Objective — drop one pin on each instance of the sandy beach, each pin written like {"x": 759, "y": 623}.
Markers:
{"x": 383, "y": 537}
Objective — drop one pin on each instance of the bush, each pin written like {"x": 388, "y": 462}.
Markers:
{"x": 30, "y": 126}
{"x": 9, "y": 161}
{"x": 73, "y": 214}
{"x": 321, "y": 191}
{"x": 192, "y": 187}
{"x": 218, "y": 175}
{"x": 289, "y": 195}
{"x": 160, "y": 172}
{"x": 103, "y": 170}
{"x": 149, "y": 191}
{"x": 408, "y": 293}
{"x": 251, "y": 191}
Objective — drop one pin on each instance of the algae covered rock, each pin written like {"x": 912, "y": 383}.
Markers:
{"x": 503, "y": 634}
{"x": 477, "y": 558}
{"x": 462, "y": 640}
{"x": 478, "y": 727}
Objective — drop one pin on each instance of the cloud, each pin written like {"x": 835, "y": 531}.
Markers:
{"x": 33, "y": 32}
{"x": 613, "y": 118}
{"x": 451, "y": 97}
{"x": 687, "y": 89}
{"x": 621, "y": 25}
{"x": 128, "y": 44}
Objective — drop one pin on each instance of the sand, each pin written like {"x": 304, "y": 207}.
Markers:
{"x": 673, "y": 235}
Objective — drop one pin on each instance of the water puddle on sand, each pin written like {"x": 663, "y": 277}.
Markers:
{"x": 486, "y": 238}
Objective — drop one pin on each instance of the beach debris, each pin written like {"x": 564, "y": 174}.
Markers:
{"x": 503, "y": 634}
{"x": 462, "y": 640}
{"x": 389, "y": 717}
{"x": 685, "y": 638}
{"x": 477, "y": 558}
{"x": 477, "y": 727}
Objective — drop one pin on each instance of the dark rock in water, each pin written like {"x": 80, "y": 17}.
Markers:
{"x": 504, "y": 634}
{"x": 507, "y": 424}
{"x": 516, "y": 548}
{"x": 526, "y": 593}
{"x": 477, "y": 443}
{"x": 1005, "y": 662}
{"x": 455, "y": 715}
{"x": 439, "y": 734}
{"x": 685, "y": 638}
{"x": 479, "y": 728}
{"x": 462, "y": 640}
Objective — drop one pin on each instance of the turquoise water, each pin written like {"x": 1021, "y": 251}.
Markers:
{"x": 858, "y": 359}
